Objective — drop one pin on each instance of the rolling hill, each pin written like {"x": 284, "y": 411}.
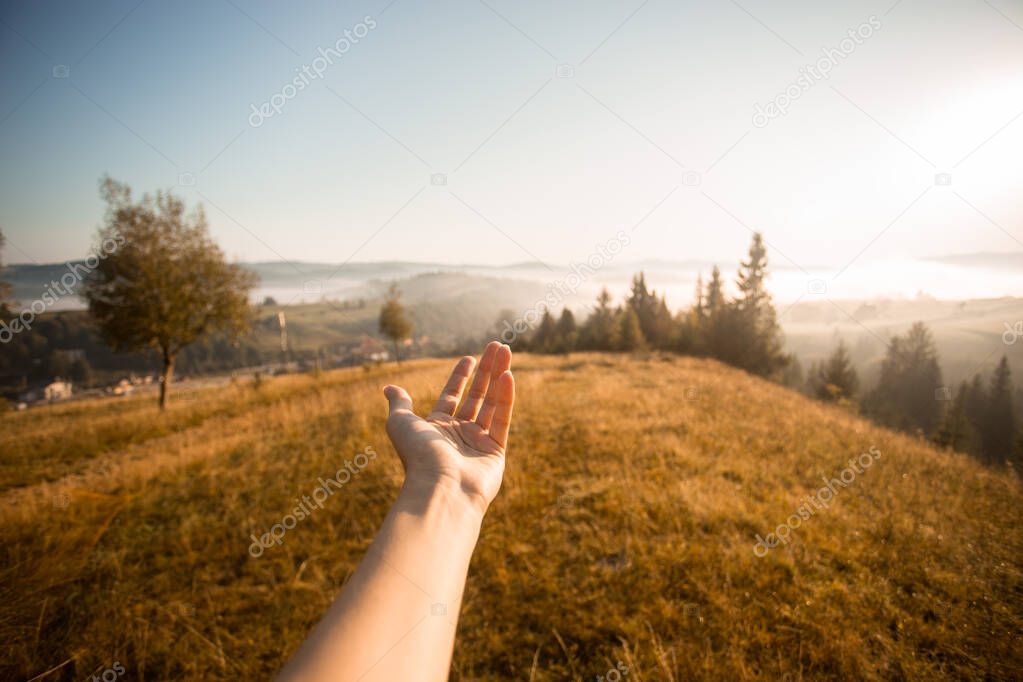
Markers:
{"x": 625, "y": 535}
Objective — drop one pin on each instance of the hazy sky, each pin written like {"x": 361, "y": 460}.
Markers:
{"x": 648, "y": 121}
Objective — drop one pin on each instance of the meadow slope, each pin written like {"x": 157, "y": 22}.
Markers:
{"x": 624, "y": 533}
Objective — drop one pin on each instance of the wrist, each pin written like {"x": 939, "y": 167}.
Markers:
{"x": 445, "y": 498}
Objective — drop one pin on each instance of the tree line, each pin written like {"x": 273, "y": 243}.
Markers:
{"x": 979, "y": 418}
{"x": 740, "y": 330}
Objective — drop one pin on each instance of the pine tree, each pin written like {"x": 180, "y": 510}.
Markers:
{"x": 543, "y": 339}
{"x": 565, "y": 333}
{"x": 836, "y": 379}
{"x": 698, "y": 299}
{"x": 715, "y": 293}
{"x": 998, "y": 435}
{"x": 712, "y": 338}
{"x": 630, "y": 334}
{"x": 600, "y": 331}
{"x": 691, "y": 323}
{"x": 976, "y": 402}
{"x": 910, "y": 375}
{"x": 761, "y": 342}
{"x": 954, "y": 432}
{"x": 792, "y": 376}
{"x": 652, "y": 312}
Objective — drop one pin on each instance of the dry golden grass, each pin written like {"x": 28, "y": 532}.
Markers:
{"x": 624, "y": 533}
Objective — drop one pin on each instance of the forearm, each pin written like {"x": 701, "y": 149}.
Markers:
{"x": 396, "y": 617}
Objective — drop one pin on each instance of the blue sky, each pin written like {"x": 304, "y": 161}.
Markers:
{"x": 648, "y": 128}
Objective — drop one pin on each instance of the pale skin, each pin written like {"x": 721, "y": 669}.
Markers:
{"x": 395, "y": 618}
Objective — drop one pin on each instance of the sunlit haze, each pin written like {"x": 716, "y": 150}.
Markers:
{"x": 491, "y": 133}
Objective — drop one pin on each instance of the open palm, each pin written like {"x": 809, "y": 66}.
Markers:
{"x": 460, "y": 446}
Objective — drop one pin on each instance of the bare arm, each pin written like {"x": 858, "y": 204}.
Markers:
{"x": 396, "y": 617}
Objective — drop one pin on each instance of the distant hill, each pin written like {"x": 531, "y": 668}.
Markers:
{"x": 1000, "y": 260}
{"x": 453, "y": 302}
{"x": 971, "y": 336}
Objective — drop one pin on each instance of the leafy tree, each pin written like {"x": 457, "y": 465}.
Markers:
{"x": 394, "y": 324}
{"x": 167, "y": 283}
{"x": 81, "y": 372}
{"x": 59, "y": 367}
{"x": 998, "y": 434}
{"x": 905, "y": 395}
{"x": 836, "y": 379}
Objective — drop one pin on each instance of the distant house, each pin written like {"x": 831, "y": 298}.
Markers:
{"x": 57, "y": 390}
{"x": 122, "y": 387}
{"x": 370, "y": 350}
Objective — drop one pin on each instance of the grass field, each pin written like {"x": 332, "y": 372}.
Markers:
{"x": 624, "y": 533}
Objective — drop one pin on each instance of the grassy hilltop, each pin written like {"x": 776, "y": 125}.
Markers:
{"x": 624, "y": 533}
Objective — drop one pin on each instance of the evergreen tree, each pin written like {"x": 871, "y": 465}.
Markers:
{"x": 565, "y": 333}
{"x": 792, "y": 376}
{"x": 698, "y": 309}
{"x": 600, "y": 331}
{"x": 905, "y": 395}
{"x": 630, "y": 334}
{"x": 715, "y": 299}
{"x": 650, "y": 312}
{"x": 761, "y": 341}
{"x": 954, "y": 432}
{"x": 544, "y": 338}
{"x": 836, "y": 379}
{"x": 712, "y": 338}
{"x": 998, "y": 435}
{"x": 976, "y": 402}
{"x": 690, "y": 324}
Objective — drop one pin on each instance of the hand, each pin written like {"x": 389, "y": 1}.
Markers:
{"x": 460, "y": 452}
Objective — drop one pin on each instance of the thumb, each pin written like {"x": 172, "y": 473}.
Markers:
{"x": 397, "y": 398}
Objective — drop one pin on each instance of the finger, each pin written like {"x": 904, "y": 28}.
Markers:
{"x": 505, "y": 391}
{"x": 397, "y": 399}
{"x": 480, "y": 382}
{"x": 452, "y": 392}
{"x": 502, "y": 363}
